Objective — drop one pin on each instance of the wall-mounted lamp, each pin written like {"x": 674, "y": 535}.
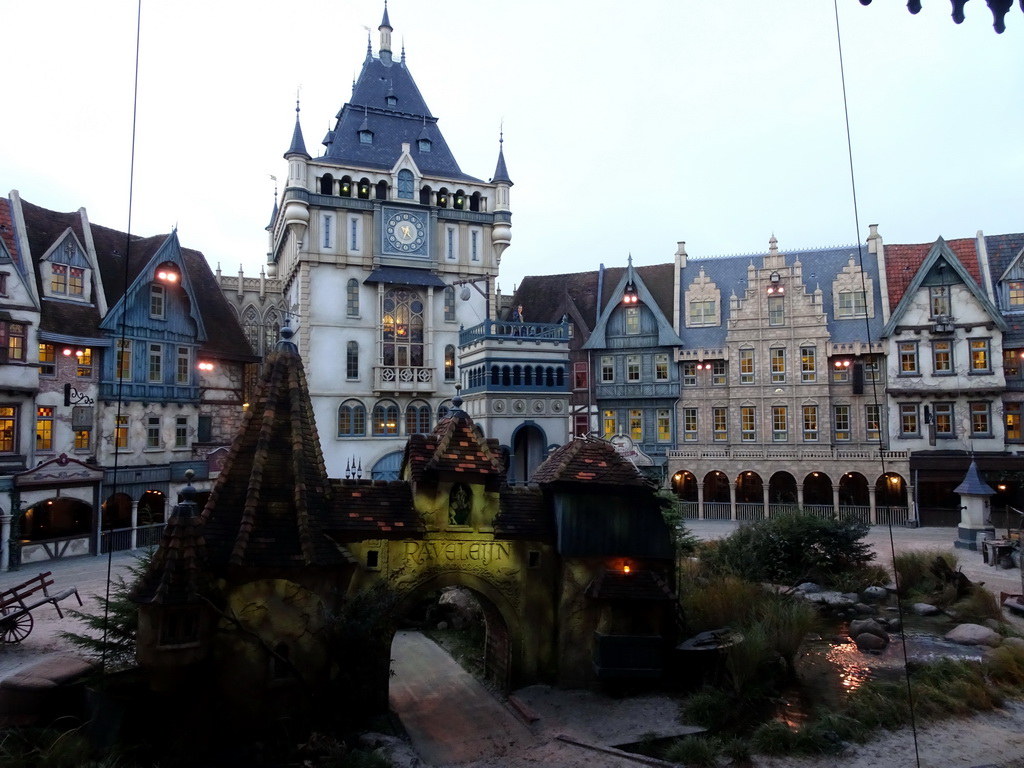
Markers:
{"x": 629, "y": 296}
{"x": 842, "y": 363}
{"x": 775, "y": 285}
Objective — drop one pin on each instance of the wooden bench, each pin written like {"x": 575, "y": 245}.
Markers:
{"x": 18, "y": 602}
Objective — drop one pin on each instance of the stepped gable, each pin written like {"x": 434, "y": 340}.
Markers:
{"x": 903, "y": 261}
{"x": 591, "y": 461}
{"x": 454, "y": 448}
{"x": 176, "y": 573}
{"x": 636, "y": 585}
{"x": 372, "y": 509}
{"x": 523, "y": 514}
{"x": 271, "y": 500}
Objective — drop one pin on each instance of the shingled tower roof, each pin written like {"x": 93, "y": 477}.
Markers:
{"x": 176, "y": 571}
{"x": 455, "y": 447}
{"x": 268, "y": 504}
{"x": 585, "y": 460}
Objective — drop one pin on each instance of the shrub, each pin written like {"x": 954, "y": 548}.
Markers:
{"x": 979, "y": 605}
{"x": 724, "y": 601}
{"x": 914, "y": 571}
{"x": 773, "y": 738}
{"x": 694, "y": 750}
{"x": 786, "y": 622}
{"x": 1005, "y": 666}
{"x": 709, "y": 708}
{"x": 744, "y": 660}
{"x": 792, "y": 548}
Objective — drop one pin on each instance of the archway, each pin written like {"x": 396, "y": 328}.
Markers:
{"x": 891, "y": 499}
{"x": 853, "y": 497}
{"x": 151, "y": 508}
{"x": 749, "y": 496}
{"x": 818, "y": 494}
{"x": 782, "y": 490}
{"x": 684, "y": 485}
{"x": 528, "y": 451}
{"x": 56, "y": 518}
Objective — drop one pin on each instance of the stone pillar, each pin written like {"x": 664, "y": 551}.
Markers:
{"x": 732, "y": 500}
{"x": 911, "y": 507}
{"x": 835, "y": 501}
{"x": 700, "y": 501}
{"x": 800, "y": 496}
{"x": 872, "y": 509}
{"x": 5, "y": 540}
{"x": 764, "y": 494}
{"x": 135, "y": 522}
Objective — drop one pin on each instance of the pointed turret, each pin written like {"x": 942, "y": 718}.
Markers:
{"x": 500, "y": 171}
{"x": 501, "y": 235}
{"x": 385, "y": 30}
{"x": 298, "y": 146}
{"x": 270, "y": 500}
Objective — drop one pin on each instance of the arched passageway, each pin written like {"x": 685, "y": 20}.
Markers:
{"x": 749, "y": 496}
{"x": 528, "y": 451}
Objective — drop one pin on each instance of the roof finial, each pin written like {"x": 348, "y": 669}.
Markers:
{"x": 403, "y": 50}
{"x": 369, "y": 44}
{"x": 457, "y": 400}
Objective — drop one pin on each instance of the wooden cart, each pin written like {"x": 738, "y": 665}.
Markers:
{"x": 18, "y": 602}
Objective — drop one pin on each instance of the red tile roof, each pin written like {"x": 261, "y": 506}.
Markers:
{"x": 7, "y": 228}
{"x": 903, "y": 261}
{"x": 591, "y": 461}
{"x": 176, "y": 573}
{"x": 455, "y": 447}
{"x": 363, "y": 509}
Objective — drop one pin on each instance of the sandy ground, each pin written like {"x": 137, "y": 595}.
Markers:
{"x": 577, "y": 729}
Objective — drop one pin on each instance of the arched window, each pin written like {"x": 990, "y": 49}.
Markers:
{"x": 382, "y": 190}
{"x": 474, "y": 202}
{"x": 345, "y": 188}
{"x": 251, "y": 326}
{"x": 352, "y": 419}
{"x": 272, "y": 330}
{"x": 405, "y": 184}
{"x": 352, "y": 298}
{"x": 385, "y": 419}
{"x": 352, "y": 360}
{"x": 449, "y": 362}
{"x": 425, "y": 194}
{"x": 444, "y": 410}
{"x": 327, "y": 184}
{"x": 442, "y": 197}
{"x": 402, "y": 328}
{"x": 459, "y": 202}
{"x": 417, "y": 418}
{"x": 449, "y": 304}
{"x": 363, "y": 189}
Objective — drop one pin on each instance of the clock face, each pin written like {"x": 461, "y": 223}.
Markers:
{"x": 405, "y": 231}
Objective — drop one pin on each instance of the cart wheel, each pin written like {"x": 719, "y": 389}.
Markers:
{"x": 15, "y": 627}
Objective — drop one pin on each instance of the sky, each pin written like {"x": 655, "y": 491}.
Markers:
{"x": 628, "y": 126}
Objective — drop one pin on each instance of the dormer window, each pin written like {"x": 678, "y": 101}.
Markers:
{"x": 391, "y": 101}
{"x": 76, "y": 281}
{"x": 156, "y": 301}
{"x": 1015, "y": 293}
{"x": 366, "y": 136}
{"x": 58, "y": 278}
{"x": 938, "y": 296}
{"x": 424, "y": 145}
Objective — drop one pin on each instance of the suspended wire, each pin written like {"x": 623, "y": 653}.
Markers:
{"x": 119, "y": 368}
{"x": 874, "y": 380}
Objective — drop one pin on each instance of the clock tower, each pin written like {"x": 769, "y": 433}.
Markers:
{"x": 385, "y": 248}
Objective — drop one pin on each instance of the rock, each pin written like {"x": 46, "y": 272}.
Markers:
{"x": 973, "y": 634}
{"x": 400, "y": 754}
{"x": 1014, "y": 642}
{"x": 870, "y": 642}
{"x": 442, "y": 625}
{"x": 867, "y": 626}
{"x": 991, "y": 624}
{"x": 893, "y": 624}
{"x": 809, "y": 588}
{"x": 874, "y": 594}
{"x": 926, "y": 609}
{"x": 864, "y": 610}
{"x": 830, "y": 599}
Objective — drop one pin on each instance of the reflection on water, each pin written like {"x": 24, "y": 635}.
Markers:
{"x": 831, "y": 667}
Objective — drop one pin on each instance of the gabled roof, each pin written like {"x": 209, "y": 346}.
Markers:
{"x": 272, "y": 498}
{"x": 666, "y": 333}
{"x": 454, "y": 447}
{"x": 903, "y": 262}
{"x": 524, "y": 514}
{"x": 372, "y": 509}
{"x": 1006, "y": 252}
{"x": 941, "y": 251}
{"x": 591, "y": 461}
{"x": 225, "y": 338}
{"x": 176, "y": 573}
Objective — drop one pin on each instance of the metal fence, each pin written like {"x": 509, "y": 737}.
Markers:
{"x": 120, "y": 539}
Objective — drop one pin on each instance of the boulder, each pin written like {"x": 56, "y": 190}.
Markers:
{"x": 399, "y": 753}
{"x": 864, "y": 609}
{"x": 809, "y": 588}
{"x": 926, "y": 609}
{"x": 1014, "y": 642}
{"x": 874, "y": 594}
{"x": 867, "y": 626}
{"x": 870, "y": 642}
{"x": 973, "y": 634}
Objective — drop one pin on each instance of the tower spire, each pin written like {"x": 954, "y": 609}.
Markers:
{"x": 298, "y": 146}
{"x": 385, "y": 37}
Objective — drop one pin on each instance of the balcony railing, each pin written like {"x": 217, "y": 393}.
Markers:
{"x": 794, "y": 453}
{"x": 752, "y": 511}
{"x": 404, "y": 378}
{"x": 507, "y": 329}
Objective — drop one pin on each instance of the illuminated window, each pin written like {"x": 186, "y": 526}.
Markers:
{"x": 690, "y": 424}
{"x": 689, "y": 374}
{"x": 943, "y": 416}
{"x": 12, "y": 341}
{"x": 76, "y": 283}
{"x": 608, "y": 421}
{"x": 636, "y": 425}
{"x": 82, "y": 439}
{"x": 778, "y": 365}
{"x": 748, "y": 423}
{"x": 873, "y": 421}
{"x": 44, "y": 429}
{"x": 980, "y": 362}
{"x": 720, "y": 419}
{"x": 981, "y": 422}
{"x": 124, "y": 359}
{"x": 780, "y": 424}
{"x": 385, "y": 419}
{"x": 58, "y": 278}
{"x": 908, "y": 358}
{"x": 942, "y": 357}
{"x": 664, "y": 425}
{"x": 449, "y": 362}
{"x": 121, "y": 430}
{"x": 1012, "y": 413}
{"x": 661, "y": 367}
{"x": 808, "y": 364}
{"x": 47, "y": 360}
{"x": 841, "y": 422}
{"x": 909, "y": 426}
{"x": 351, "y": 419}
{"x": 402, "y": 328}
{"x": 1015, "y": 293}
{"x": 810, "y": 414}
{"x": 746, "y": 366}
{"x": 84, "y": 368}
{"x": 8, "y": 428}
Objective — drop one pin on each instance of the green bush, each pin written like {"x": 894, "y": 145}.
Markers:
{"x": 914, "y": 572}
{"x": 785, "y": 621}
{"x": 773, "y": 738}
{"x": 722, "y": 601}
{"x": 709, "y": 708}
{"x": 793, "y": 548}
{"x": 978, "y": 606}
{"x": 694, "y": 751}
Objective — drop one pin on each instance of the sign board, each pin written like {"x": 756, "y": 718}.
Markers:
{"x": 628, "y": 449}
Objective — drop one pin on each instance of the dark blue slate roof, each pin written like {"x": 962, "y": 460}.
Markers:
{"x": 406, "y": 122}
{"x": 298, "y": 146}
{"x": 1002, "y": 251}
{"x": 820, "y": 267}
{"x": 405, "y": 276}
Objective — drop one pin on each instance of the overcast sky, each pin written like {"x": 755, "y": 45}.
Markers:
{"x": 628, "y": 125}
